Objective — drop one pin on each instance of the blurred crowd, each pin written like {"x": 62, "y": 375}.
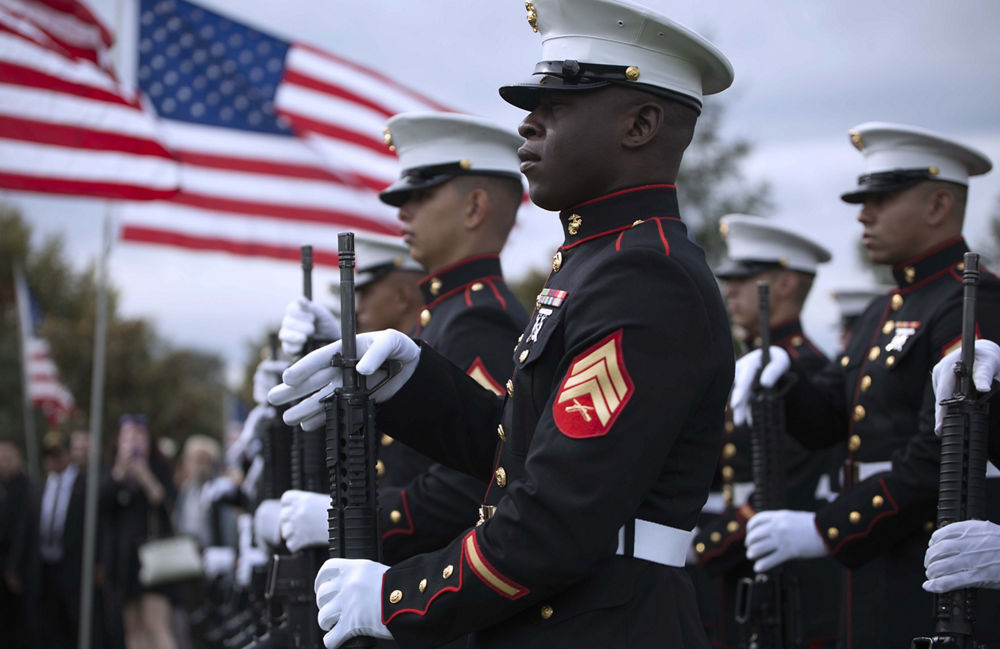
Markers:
{"x": 146, "y": 493}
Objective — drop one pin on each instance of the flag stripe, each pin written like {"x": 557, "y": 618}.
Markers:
{"x": 296, "y": 78}
{"x": 68, "y": 136}
{"x": 81, "y": 39}
{"x": 86, "y": 115}
{"x": 312, "y": 215}
{"x": 304, "y": 123}
{"x": 251, "y": 249}
{"x": 30, "y": 78}
{"x": 65, "y": 125}
{"x": 81, "y": 165}
{"x": 367, "y": 126}
{"x": 327, "y": 63}
{"x": 74, "y": 21}
{"x": 20, "y": 182}
{"x": 272, "y": 168}
{"x": 21, "y": 50}
{"x": 232, "y": 163}
{"x": 160, "y": 215}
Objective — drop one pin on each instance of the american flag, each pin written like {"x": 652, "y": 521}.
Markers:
{"x": 41, "y": 376}
{"x": 66, "y": 124}
{"x": 253, "y": 145}
{"x": 280, "y": 144}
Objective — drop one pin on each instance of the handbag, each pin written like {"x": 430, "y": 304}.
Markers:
{"x": 165, "y": 561}
{"x": 170, "y": 559}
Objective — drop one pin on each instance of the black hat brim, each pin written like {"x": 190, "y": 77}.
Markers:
{"x": 742, "y": 269}
{"x": 891, "y": 183}
{"x": 399, "y": 192}
{"x": 368, "y": 276}
{"x": 526, "y": 95}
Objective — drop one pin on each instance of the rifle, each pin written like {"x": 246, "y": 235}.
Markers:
{"x": 962, "y": 477}
{"x": 350, "y": 441}
{"x": 767, "y": 606}
{"x": 256, "y": 621}
{"x": 291, "y": 619}
{"x": 277, "y": 452}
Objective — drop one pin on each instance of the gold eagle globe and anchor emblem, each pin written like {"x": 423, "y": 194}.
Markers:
{"x": 532, "y": 15}
{"x": 574, "y": 224}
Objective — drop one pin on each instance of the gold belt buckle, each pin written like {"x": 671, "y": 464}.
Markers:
{"x": 485, "y": 513}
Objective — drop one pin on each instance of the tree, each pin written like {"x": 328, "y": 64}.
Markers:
{"x": 180, "y": 391}
{"x": 711, "y": 184}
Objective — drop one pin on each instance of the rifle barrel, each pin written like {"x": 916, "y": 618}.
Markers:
{"x": 307, "y": 267}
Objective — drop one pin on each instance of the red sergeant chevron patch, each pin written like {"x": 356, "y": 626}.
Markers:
{"x": 594, "y": 391}
{"x": 482, "y": 376}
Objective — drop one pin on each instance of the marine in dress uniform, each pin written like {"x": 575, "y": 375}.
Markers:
{"x": 602, "y": 449}
{"x": 877, "y": 396}
{"x": 469, "y": 314}
{"x": 759, "y": 249}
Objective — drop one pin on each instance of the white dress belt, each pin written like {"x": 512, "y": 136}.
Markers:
{"x": 658, "y": 543}
{"x": 716, "y": 504}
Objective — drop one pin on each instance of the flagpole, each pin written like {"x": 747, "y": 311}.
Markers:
{"x": 24, "y": 324}
{"x": 94, "y": 456}
{"x": 97, "y": 389}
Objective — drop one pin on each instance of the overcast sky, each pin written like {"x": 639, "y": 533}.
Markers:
{"x": 805, "y": 73}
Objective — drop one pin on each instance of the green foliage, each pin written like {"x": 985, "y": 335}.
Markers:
{"x": 710, "y": 183}
{"x": 181, "y": 391}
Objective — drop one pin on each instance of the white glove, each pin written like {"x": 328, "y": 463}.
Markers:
{"x": 746, "y": 370}
{"x": 266, "y": 376}
{"x": 963, "y": 555}
{"x": 303, "y": 519}
{"x": 216, "y": 490}
{"x": 252, "y": 479}
{"x": 313, "y": 375}
{"x": 775, "y": 537}
{"x": 266, "y": 528}
{"x": 249, "y": 559}
{"x": 254, "y": 428}
{"x": 218, "y": 561}
{"x": 985, "y": 370}
{"x": 349, "y": 597}
{"x": 249, "y": 556}
{"x": 305, "y": 319}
